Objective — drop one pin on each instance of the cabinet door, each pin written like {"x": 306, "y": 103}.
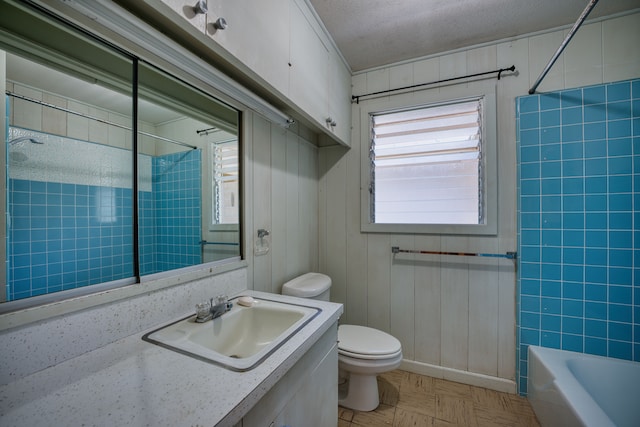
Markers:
{"x": 340, "y": 99}
{"x": 316, "y": 403}
{"x": 307, "y": 395}
{"x": 257, "y": 34}
{"x": 309, "y": 70}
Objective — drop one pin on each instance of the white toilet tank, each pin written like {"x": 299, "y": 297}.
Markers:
{"x": 310, "y": 285}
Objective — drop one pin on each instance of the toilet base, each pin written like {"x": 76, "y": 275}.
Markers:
{"x": 362, "y": 393}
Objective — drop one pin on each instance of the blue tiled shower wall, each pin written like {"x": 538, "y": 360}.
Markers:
{"x": 177, "y": 208}
{"x": 62, "y": 238}
{"x": 578, "y": 222}
{"x": 63, "y": 235}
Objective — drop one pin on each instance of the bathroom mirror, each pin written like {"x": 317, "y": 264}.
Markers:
{"x": 116, "y": 170}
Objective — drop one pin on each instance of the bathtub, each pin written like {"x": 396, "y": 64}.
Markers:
{"x": 574, "y": 389}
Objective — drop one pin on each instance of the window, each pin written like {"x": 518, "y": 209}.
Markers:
{"x": 225, "y": 181}
{"x": 429, "y": 167}
{"x": 426, "y": 165}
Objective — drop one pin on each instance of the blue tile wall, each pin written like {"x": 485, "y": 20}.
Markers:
{"x": 63, "y": 236}
{"x": 7, "y": 110}
{"x": 177, "y": 207}
{"x": 578, "y": 202}
{"x": 146, "y": 233}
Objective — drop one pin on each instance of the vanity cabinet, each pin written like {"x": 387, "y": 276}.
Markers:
{"x": 307, "y": 394}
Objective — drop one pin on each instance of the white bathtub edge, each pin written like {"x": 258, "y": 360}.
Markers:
{"x": 576, "y": 408}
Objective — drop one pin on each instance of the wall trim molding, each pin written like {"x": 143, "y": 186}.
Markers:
{"x": 471, "y": 378}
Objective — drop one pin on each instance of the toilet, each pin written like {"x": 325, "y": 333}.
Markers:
{"x": 363, "y": 352}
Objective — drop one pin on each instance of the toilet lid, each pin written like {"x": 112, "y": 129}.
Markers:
{"x": 308, "y": 285}
{"x": 366, "y": 341}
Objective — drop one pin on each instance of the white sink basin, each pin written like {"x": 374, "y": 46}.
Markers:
{"x": 239, "y": 339}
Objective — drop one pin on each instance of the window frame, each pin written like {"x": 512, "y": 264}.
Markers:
{"x": 490, "y": 160}
{"x": 216, "y": 191}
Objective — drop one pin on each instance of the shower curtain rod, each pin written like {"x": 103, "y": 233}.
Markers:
{"x": 207, "y": 131}
{"x": 508, "y": 255}
{"x": 564, "y": 44}
{"x": 86, "y": 116}
{"x": 356, "y": 98}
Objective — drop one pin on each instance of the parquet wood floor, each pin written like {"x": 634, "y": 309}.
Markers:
{"x": 412, "y": 400}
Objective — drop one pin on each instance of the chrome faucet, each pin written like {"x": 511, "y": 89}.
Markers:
{"x": 216, "y": 307}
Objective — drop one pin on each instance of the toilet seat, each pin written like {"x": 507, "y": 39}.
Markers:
{"x": 363, "y": 353}
{"x": 369, "y": 356}
{"x": 361, "y": 342}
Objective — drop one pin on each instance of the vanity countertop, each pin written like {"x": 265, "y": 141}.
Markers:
{"x": 135, "y": 383}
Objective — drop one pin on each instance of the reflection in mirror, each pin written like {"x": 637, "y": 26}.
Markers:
{"x": 70, "y": 187}
{"x": 70, "y": 213}
{"x": 70, "y": 181}
{"x": 221, "y": 222}
{"x": 182, "y": 139}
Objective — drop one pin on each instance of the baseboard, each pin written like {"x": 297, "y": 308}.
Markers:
{"x": 465, "y": 377}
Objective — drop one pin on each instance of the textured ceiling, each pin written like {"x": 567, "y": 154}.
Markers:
{"x": 371, "y": 33}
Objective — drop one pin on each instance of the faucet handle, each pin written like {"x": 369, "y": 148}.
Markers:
{"x": 220, "y": 299}
{"x": 203, "y": 309}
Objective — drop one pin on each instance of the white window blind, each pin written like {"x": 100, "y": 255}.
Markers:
{"x": 426, "y": 165}
{"x": 225, "y": 182}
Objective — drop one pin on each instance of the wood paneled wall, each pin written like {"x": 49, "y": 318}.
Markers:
{"x": 281, "y": 185}
{"x": 455, "y": 316}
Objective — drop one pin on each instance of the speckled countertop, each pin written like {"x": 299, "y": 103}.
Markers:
{"x": 135, "y": 383}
